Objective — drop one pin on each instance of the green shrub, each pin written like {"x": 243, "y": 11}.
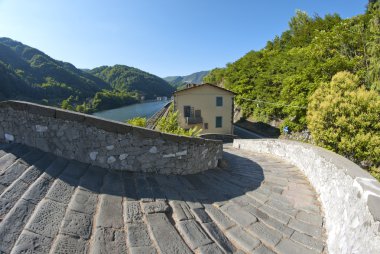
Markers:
{"x": 137, "y": 121}
{"x": 169, "y": 124}
{"x": 344, "y": 117}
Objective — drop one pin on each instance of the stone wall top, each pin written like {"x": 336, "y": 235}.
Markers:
{"x": 350, "y": 196}
{"x": 103, "y": 142}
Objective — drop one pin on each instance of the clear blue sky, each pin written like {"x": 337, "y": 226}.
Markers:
{"x": 164, "y": 37}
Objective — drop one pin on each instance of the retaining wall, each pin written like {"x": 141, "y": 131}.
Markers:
{"x": 105, "y": 143}
{"x": 349, "y": 195}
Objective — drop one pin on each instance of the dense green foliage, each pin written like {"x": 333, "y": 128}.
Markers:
{"x": 180, "y": 81}
{"x": 345, "y": 117}
{"x": 170, "y": 124}
{"x": 291, "y": 81}
{"x": 138, "y": 121}
{"x": 130, "y": 79}
{"x": 276, "y": 82}
{"x": 29, "y": 74}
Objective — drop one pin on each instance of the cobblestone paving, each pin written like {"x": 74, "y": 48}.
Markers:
{"x": 254, "y": 204}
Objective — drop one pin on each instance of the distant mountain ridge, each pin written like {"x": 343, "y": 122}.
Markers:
{"x": 29, "y": 74}
{"x": 194, "y": 78}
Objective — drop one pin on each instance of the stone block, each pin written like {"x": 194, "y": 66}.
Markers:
{"x": 47, "y": 218}
{"x": 219, "y": 217}
{"x": 287, "y": 246}
{"x": 309, "y": 229}
{"x": 308, "y": 241}
{"x": 132, "y": 211}
{"x": 193, "y": 234}
{"x": 31, "y": 243}
{"x": 137, "y": 235}
{"x": 69, "y": 244}
{"x": 219, "y": 238}
{"x": 110, "y": 213}
{"x": 167, "y": 238}
{"x": 143, "y": 250}
{"x": 242, "y": 239}
{"x": 77, "y": 224}
{"x": 155, "y": 207}
{"x": 239, "y": 215}
{"x": 108, "y": 240}
{"x": 210, "y": 249}
{"x": 268, "y": 236}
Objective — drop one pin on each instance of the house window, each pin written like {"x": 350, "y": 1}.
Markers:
{"x": 219, "y": 101}
{"x": 218, "y": 122}
{"x": 186, "y": 111}
{"x": 205, "y": 126}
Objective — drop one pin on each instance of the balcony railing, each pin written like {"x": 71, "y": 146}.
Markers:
{"x": 193, "y": 120}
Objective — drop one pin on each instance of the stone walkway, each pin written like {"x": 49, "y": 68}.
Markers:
{"x": 255, "y": 204}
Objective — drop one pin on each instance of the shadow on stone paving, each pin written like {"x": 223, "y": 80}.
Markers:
{"x": 239, "y": 176}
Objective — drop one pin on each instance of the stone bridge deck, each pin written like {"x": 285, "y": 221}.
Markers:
{"x": 255, "y": 204}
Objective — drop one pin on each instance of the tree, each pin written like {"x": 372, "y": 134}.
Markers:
{"x": 374, "y": 46}
{"x": 343, "y": 116}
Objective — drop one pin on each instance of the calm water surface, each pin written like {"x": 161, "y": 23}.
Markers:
{"x": 146, "y": 109}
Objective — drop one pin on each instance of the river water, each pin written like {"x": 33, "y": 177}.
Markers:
{"x": 145, "y": 109}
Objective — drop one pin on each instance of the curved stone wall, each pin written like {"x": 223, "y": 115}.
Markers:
{"x": 105, "y": 143}
{"x": 349, "y": 195}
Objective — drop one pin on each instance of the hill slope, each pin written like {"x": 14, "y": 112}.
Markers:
{"x": 29, "y": 72}
{"x": 125, "y": 78}
{"x": 195, "y": 78}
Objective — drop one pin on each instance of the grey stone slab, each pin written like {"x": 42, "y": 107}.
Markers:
{"x": 238, "y": 214}
{"x": 193, "y": 234}
{"x": 6, "y": 161}
{"x": 268, "y": 236}
{"x": 308, "y": 241}
{"x": 374, "y": 206}
{"x": 167, "y": 238}
{"x": 55, "y": 168}
{"x": 31, "y": 243}
{"x": 92, "y": 180}
{"x": 201, "y": 215}
{"x": 287, "y": 246}
{"x": 242, "y": 239}
{"x": 143, "y": 250}
{"x": 73, "y": 172}
{"x": 219, "y": 238}
{"x": 61, "y": 191}
{"x": 132, "y": 211}
{"x": 246, "y": 200}
{"x": 113, "y": 184}
{"x": 12, "y": 225}
{"x": 273, "y": 223}
{"x": 262, "y": 249}
{"x": 69, "y": 244}
{"x": 37, "y": 190}
{"x": 137, "y": 235}
{"x": 108, "y": 240}
{"x": 309, "y": 229}
{"x": 84, "y": 201}
{"x": 282, "y": 207}
{"x": 210, "y": 249}
{"x": 47, "y": 218}
{"x": 8, "y": 176}
{"x": 155, "y": 207}
{"x": 31, "y": 157}
{"x": 33, "y": 172}
{"x": 219, "y": 217}
{"x": 110, "y": 214}
{"x": 274, "y": 213}
{"x": 181, "y": 211}
{"x": 77, "y": 224}
{"x": 129, "y": 188}
{"x": 11, "y": 195}
{"x": 143, "y": 190}
{"x": 310, "y": 218}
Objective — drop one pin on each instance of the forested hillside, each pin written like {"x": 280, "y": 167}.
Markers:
{"x": 279, "y": 82}
{"x": 179, "y": 81}
{"x": 29, "y": 74}
{"x": 125, "y": 78}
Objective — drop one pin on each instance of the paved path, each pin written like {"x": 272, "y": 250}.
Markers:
{"x": 245, "y": 134}
{"x": 255, "y": 204}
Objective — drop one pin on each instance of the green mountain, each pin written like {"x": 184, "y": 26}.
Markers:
{"x": 28, "y": 73}
{"x": 130, "y": 79}
{"x": 195, "y": 78}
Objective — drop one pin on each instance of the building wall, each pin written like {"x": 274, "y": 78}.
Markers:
{"x": 204, "y": 98}
{"x": 104, "y": 143}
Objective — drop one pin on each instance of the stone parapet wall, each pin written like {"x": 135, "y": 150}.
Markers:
{"x": 349, "y": 195}
{"x": 105, "y": 143}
